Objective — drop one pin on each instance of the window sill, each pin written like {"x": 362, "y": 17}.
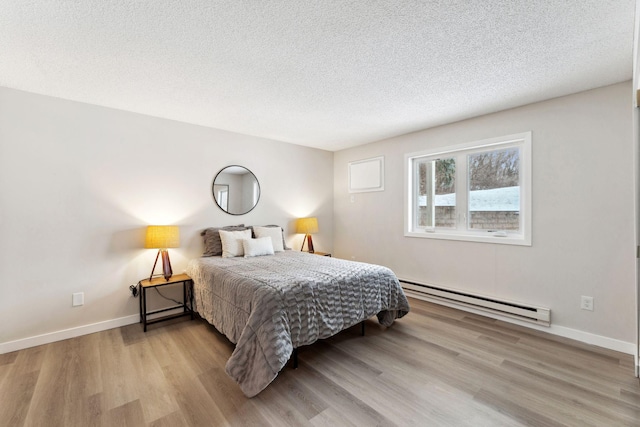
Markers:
{"x": 512, "y": 239}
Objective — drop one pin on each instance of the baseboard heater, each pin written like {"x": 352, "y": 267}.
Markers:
{"x": 462, "y": 299}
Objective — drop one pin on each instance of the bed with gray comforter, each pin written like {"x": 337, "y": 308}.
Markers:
{"x": 269, "y": 305}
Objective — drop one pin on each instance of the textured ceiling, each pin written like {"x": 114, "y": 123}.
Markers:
{"x": 329, "y": 74}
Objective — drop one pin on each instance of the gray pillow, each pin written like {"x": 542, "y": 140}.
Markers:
{"x": 211, "y": 237}
{"x": 284, "y": 243}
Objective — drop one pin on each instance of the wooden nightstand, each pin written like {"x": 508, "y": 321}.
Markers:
{"x": 187, "y": 298}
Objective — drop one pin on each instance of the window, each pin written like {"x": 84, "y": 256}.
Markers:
{"x": 436, "y": 186}
{"x": 479, "y": 191}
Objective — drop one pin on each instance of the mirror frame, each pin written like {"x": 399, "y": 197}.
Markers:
{"x": 214, "y": 185}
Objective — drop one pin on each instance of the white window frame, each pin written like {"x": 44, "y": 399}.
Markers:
{"x": 521, "y": 237}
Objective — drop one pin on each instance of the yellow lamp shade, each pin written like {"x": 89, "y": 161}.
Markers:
{"x": 307, "y": 225}
{"x": 162, "y": 237}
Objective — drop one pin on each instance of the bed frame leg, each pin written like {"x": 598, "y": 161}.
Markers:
{"x": 362, "y": 323}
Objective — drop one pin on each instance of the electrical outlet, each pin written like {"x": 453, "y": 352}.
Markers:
{"x": 78, "y": 299}
{"x": 586, "y": 303}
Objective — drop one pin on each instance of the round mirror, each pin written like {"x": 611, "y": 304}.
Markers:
{"x": 236, "y": 190}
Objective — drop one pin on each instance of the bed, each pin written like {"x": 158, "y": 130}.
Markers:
{"x": 270, "y": 305}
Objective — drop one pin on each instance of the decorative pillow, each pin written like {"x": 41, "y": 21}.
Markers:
{"x": 275, "y": 234}
{"x": 257, "y": 247}
{"x": 212, "y": 243}
{"x": 281, "y": 234}
{"x": 232, "y": 242}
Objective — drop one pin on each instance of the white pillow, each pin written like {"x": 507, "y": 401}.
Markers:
{"x": 276, "y": 236}
{"x": 232, "y": 242}
{"x": 257, "y": 247}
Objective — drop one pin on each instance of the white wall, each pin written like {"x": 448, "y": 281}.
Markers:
{"x": 79, "y": 183}
{"x": 583, "y": 214}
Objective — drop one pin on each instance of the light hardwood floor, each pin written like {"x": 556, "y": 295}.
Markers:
{"x": 435, "y": 367}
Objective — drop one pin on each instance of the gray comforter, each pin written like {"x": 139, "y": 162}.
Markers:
{"x": 270, "y": 305}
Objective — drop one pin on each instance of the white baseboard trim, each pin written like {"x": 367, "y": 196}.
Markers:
{"x": 588, "y": 338}
{"x": 8, "y": 347}
{"x": 585, "y": 337}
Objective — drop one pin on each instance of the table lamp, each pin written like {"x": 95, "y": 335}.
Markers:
{"x": 307, "y": 226}
{"x": 162, "y": 237}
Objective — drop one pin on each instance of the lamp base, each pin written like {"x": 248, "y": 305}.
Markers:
{"x": 166, "y": 265}
{"x": 307, "y": 238}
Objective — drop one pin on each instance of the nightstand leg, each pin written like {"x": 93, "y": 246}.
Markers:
{"x": 144, "y": 307}
{"x": 184, "y": 296}
{"x": 191, "y": 298}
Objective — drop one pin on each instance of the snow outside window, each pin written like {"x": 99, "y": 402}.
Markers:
{"x": 480, "y": 191}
